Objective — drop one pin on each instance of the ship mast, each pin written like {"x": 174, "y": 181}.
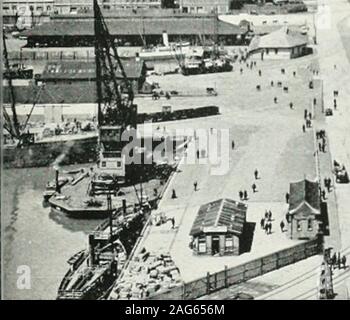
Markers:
{"x": 13, "y": 126}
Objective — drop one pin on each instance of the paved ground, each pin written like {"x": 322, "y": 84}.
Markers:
{"x": 267, "y": 136}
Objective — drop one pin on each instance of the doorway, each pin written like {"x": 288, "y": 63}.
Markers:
{"x": 215, "y": 245}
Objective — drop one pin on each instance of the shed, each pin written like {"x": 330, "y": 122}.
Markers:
{"x": 218, "y": 228}
{"x": 304, "y": 213}
{"x": 283, "y": 43}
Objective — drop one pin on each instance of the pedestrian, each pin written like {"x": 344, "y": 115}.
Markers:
{"x": 343, "y": 261}
{"x": 245, "y": 195}
{"x": 323, "y": 147}
{"x": 173, "y": 196}
{"x": 330, "y": 182}
{"x": 310, "y": 115}
{"x": 319, "y": 146}
{"x": 328, "y": 186}
{"x": 304, "y": 128}
{"x": 270, "y": 227}
{"x": 266, "y": 227}
{"x": 195, "y": 185}
{"x": 275, "y": 99}
{"x": 233, "y": 144}
{"x": 254, "y": 187}
{"x": 240, "y": 193}
{"x": 323, "y": 195}
{"x": 271, "y": 83}
{"x": 282, "y": 226}
{"x": 287, "y": 197}
{"x": 294, "y": 73}
{"x": 172, "y": 223}
{"x": 339, "y": 261}
{"x": 256, "y": 174}
{"x": 197, "y": 154}
{"x": 266, "y": 215}
{"x": 259, "y": 73}
{"x": 334, "y": 260}
{"x": 315, "y": 101}
{"x": 241, "y": 70}
{"x": 305, "y": 114}
{"x": 270, "y": 215}
{"x": 262, "y": 223}
{"x": 291, "y": 105}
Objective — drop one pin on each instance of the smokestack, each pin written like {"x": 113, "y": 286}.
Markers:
{"x": 165, "y": 39}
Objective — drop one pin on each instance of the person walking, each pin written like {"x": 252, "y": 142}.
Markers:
{"x": 259, "y": 73}
{"x": 282, "y": 226}
{"x": 343, "y": 261}
{"x": 275, "y": 100}
{"x": 304, "y": 128}
{"x": 270, "y": 227}
{"x": 262, "y": 223}
{"x": 339, "y": 261}
{"x": 173, "y": 196}
{"x": 172, "y": 223}
{"x": 256, "y": 174}
{"x": 245, "y": 193}
{"x": 233, "y": 144}
{"x": 319, "y": 146}
{"x": 240, "y": 193}
{"x": 305, "y": 114}
{"x": 334, "y": 260}
{"x": 254, "y": 187}
{"x": 270, "y": 215}
{"x": 195, "y": 184}
{"x": 323, "y": 193}
{"x": 291, "y": 105}
{"x": 287, "y": 197}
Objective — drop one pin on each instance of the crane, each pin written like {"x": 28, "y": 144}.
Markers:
{"x": 116, "y": 111}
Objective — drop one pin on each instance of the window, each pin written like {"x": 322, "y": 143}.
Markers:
{"x": 103, "y": 164}
{"x": 14, "y": 7}
{"x": 48, "y": 8}
{"x": 309, "y": 224}
{"x": 202, "y": 244}
{"x": 119, "y": 164}
{"x": 228, "y": 243}
{"x": 298, "y": 225}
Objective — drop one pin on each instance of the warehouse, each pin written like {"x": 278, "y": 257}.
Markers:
{"x": 218, "y": 228}
{"x": 64, "y": 31}
{"x": 80, "y": 72}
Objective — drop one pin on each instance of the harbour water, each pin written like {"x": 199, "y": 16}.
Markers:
{"x": 36, "y": 240}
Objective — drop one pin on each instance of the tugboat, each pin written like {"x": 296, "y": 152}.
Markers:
{"x": 93, "y": 271}
{"x": 19, "y": 71}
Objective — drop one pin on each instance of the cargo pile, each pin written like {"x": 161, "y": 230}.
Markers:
{"x": 147, "y": 275}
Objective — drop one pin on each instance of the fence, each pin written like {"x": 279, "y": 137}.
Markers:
{"x": 230, "y": 276}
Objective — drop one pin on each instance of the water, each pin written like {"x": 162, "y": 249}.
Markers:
{"x": 34, "y": 236}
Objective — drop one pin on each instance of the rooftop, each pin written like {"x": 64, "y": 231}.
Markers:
{"x": 281, "y": 38}
{"x": 61, "y": 70}
{"x": 223, "y": 212}
{"x": 304, "y": 194}
{"x": 177, "y": 25}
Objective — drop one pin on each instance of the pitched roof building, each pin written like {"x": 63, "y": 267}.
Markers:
{"x": 304, "y": 212}
{"x": 218, "y": 227}
{"x": 279, "y": 44}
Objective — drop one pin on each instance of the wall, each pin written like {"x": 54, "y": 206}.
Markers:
{"x": 227, "y": 277}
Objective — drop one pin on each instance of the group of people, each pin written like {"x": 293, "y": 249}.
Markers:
{"x": 321, "y": 136}
{"x": 337, "y": 261}
{"x": 266, "y": 222}
{"x": 243, "y": 194}
{"x": 328, "y": 184}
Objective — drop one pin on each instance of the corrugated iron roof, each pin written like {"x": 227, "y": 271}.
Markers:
{"x": 136, "y": 26}
{"x": 223, "y": 212}
{"x": 69, "y": 70}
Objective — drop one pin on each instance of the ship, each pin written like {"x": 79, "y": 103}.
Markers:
{"x": 93, "y": 271}
{"x": 19, "y": 71}
{"x": 172, "y": 51}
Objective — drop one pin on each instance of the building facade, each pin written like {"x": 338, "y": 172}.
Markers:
{"x": 205, "y": 6}
{"x": 77, "y": 6}
{"x": 304, "y": 212}
{"x": 218, "y": 228}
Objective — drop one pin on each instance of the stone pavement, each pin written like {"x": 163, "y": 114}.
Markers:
{"x": 335, "y": 68}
